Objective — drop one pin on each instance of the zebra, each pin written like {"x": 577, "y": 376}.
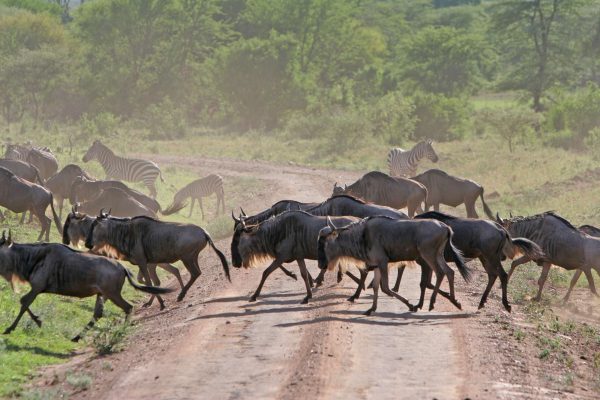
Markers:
{"x": 403, "y": 163}
{"x": 127, "y": 169}
{"x": 40, "y": 157}
{"x": 198, "y": 189}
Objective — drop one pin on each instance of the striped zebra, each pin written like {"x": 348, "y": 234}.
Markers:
{"x": 40, "y": 157}
{"x": 197, "y": 190}
{"x": 126, "y": 169}
{"x": 404, "y": 163}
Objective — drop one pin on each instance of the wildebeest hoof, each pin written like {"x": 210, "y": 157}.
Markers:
{"x": 304, "y": 301}
{"x": 412, "y": 308}
{"x": 76, "y": 339}
{"x": 252, "y": 299}
{"x": 507, "y": 307}
{"x": 351, "y": 299}
{"x": 480, "y": 306}
{"x": 180, "y": 297}
{"x": 38, "y": 322}
{"x": 537, "y": 298}
{"x": 368, "y": 312}
{"x": 431, "y": 307}
{"x": 162, "y": 307}
{"x": 293, "y": 276}
{"x": 7, "y": 331}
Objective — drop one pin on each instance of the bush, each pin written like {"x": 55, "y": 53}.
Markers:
{"x": 393, "y": 118}
{"x": 592, "y": 141}
{"x": 165, "y": 120}
{"x": 511, "y": 123}
{"x": 99, "y": 125}
{"x": 439, "y": 117}
{"x": 109, "y": 336}
{"x": 577, "y": 112}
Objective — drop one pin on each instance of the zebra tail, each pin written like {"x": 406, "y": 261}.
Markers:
{"x": 173, "y": 208}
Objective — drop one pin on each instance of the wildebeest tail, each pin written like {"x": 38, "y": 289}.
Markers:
{"x": 144, "y": 288}
{"x": 458, "y": 259}
{"x": 486, "y": 209}
{"x": 221, "y": 256}
{"x": 173, "y": 208}
{"x": 514, "y": 246}
{"x": 56, "y": 219}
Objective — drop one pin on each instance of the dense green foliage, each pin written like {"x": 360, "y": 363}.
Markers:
{"x": 243, "y": 65}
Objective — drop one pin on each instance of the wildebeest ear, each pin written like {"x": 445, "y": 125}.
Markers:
{"x": 510, "y": 214}
{"x": 3, "y": 236}
{"x": 9, "y": 237}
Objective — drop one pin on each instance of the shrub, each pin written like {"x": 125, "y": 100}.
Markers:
{"x": 510, "y": 123}
{"x": 99, "y": 125}
{"x": 439, "y": 117}
{"x": 109, "y": 336}
{"x": 165, "y": 120}
{"x": 393, "y": 118}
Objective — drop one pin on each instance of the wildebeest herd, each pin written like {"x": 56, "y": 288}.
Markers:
{"x": 359, "y": 226}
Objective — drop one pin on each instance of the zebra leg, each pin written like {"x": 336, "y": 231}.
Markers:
{"x": 192, "y": 207}
{"x": 201, "y": 207}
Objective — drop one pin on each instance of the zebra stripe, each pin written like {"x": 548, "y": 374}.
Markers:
{"x": 200, "y": 188}
{"x": 404, "y": 163}
{"x": 126, "y": 169}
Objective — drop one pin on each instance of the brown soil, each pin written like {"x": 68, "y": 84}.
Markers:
{"x": 215, "y": 344}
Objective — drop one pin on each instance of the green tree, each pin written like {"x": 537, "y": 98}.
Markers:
{"x": 535, "y": 42}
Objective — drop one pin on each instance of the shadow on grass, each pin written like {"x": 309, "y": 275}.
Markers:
{"x": 37, "y": 350}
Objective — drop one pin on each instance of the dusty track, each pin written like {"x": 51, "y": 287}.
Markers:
{"x": 217, "y": 345}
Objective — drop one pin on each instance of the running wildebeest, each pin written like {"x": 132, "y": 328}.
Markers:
{"x": 485, "y": 240}
{"x": 198, "y": 189}
{"x": 77, "y": 228}
{"x": 143, "y": 240}
{"x": 563, "y": 245}
{"x": 287, "y": 237}
{"x": 379, "y": 188}
{"x": 590, "y": 230}
{"x": 118, "y": 201}
{"x": 55, "y": 268}
{"x": 84, "y": 190}
{"x": 452, "y": 191}
{"x": 380, "y": 241}
{"x": 61, "y": 183}
{"x": 19, "y": 195}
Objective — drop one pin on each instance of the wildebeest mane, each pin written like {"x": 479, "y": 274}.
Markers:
{"x": 358, "y": 200}
{"x": 436, "y": 215}
{"x": 541, "y": 216}
{"x": 28, "y": 257}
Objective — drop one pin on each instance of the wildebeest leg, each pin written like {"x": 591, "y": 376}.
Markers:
{"x": 590, "y": 278}
{"x": 288, "y": 273}
{"x": 516, "y": 263}
{"x": 504, "y": 284}
{"x": 399, "y": 278}
{"x": 494, "y": 270}
{"x": 25, "y": 303}
{"x": 542, "y": 280}
{"x": 274, "y": 265}
{"x": 572, "y": 285}
{"x": 307, "y": 283}
{"x": 491, "y": 280}
{"x": 22, "y": 221}
{"x": 193, "y": 268}
{"x": 426, "y": 275}
{"x": 35, "y": 318}
{"x": 192, "y": 207}
{"x": 60, "y": 202}
{"x": 361, "y": 285}
{"x": 376, "y": 282}
{"x": 174, "y": 271}
{"x": 385, "y": 287}
{"x": 98, "y": 311}
{"x": 144, "y": 270}
{"x": 155, "y": 282}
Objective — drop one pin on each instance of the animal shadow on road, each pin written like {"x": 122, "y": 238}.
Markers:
{"x": 249, "y": 312}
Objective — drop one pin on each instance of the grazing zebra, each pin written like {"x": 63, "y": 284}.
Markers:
{"x": 403, "y": 163}
{"x": 197, "y": 190}
{"x": 127, "y": 169}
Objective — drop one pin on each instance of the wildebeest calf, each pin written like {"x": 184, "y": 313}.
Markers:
{"x": 55, "y": 268}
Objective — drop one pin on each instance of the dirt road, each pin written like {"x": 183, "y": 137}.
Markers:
{"x": 218, "y": 345}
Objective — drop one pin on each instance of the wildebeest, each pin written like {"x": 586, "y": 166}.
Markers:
{"x": 55, "y": 268}
{"x": 287, "y": 237}
{"x": 77, "y": 228}
{"x": 26, "y": 171}
{"x": 19, "y": 195}
{"x": 61, "y": 183}
{"x": 590, "y": 230}
{"x": 118, "y": 201}
{"x": 198, "y": 189}
{"x": 563, "y": 245}
{"x": 41, "y": 158}
{"x": 485, "y": 240}
{"x": 127, "y": 169}
{"x": 143, "y": 240}
{"x": 348, "y": 205}
{"x": 452, "y": 191}
{"x": 380, "y": 241}
{"x": 379, "y": 188}
{"x": 84, "y": 190}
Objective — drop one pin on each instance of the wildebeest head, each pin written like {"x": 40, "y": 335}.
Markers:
{"x": 7, "y": 269}
{"x": 339, "y": 246}
{"x": 429, "y": 152}
{"x": 246, "y": 246}
{"x": 326, "y": 244}
{"x": 103, "y": 234}
{"x": 93, "y": 151}
{"x": 75, "y": 227}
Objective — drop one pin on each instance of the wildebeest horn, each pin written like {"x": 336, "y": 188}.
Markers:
{"x": 243, "y": 212}
{"x": 10, "y": 236}
{"x": 498, "y": 219}
{"x": 330, "y": 223}
{"x": 237, "y": 220}
{"x": 510, "y": 214}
